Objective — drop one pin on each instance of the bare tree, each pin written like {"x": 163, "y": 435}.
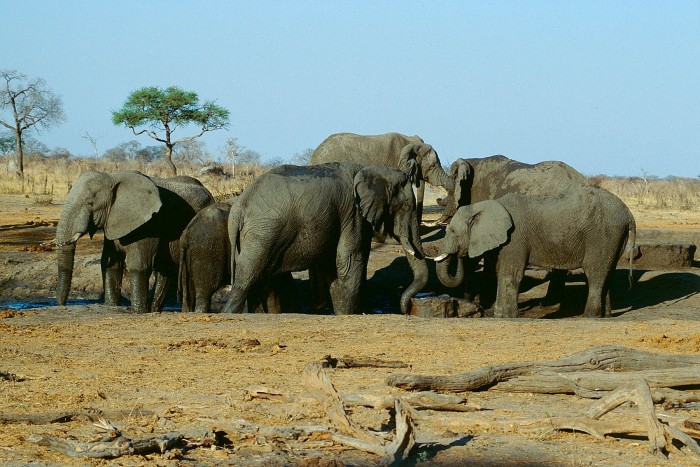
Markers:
{"x": 93, "y": 142}
{"x": 231, "y": 151}
{"x": 32, "y": 105}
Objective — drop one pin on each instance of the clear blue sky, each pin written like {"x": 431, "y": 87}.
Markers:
{"x": 609, "y": 87}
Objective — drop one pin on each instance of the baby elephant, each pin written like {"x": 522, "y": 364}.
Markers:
{"x": 584, "y": 228}
{"x": 205, "y": 262}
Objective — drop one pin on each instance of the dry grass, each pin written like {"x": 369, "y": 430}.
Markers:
{"x": 655, "y": 193}
{"x": 51, "y": 179}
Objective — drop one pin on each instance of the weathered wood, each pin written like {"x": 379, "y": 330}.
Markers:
{"x": 315, "y": 378}
{"x": 109, "y": 449}
{"x": 595, "y": 384}
{"x": 419, "y": 401}
{"x": 65, "y": 417}
{"x": 636, "y": 391}
{"x": 615, "y": 358}
{"x": 360, "y": 362}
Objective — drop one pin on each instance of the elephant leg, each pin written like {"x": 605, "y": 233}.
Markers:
{"x": 509, "y": 279}
{"x": 112, "y": 265}
{"x": 489, "y": 281}
{"x": 555, "y": 290}
{"x": 248, "y": 271}
{"x": 285, "y": 292}
{"x": 345, "y": 290}
{"x": 139, "y": 290}
{"x": 598, "y": 300}
{"x": 160, "y": 289}
{"x": 318, "y": 289}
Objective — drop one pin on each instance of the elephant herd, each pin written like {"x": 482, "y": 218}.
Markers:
{"x": 322, "y": 218}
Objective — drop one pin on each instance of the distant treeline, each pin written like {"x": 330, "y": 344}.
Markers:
{"x": 50, "y": 177}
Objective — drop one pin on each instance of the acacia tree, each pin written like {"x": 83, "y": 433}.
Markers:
{"x": 165, "y": 110}
{"x": 32, "y": 105}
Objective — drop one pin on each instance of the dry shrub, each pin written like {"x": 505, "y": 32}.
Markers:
{"x": 657, "y": 193}
{"x": 52, "y": 179}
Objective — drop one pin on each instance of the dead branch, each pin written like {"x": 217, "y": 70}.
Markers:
{"x": 90, "y": 415}
{"x": 596, "y": 384}
{"x": 614, "y": 358}
{"x": 109, "y": 449}
{"x": 316, "y": 379}
{"x": 360, "y": 362}
{"x": 424, "y": 400}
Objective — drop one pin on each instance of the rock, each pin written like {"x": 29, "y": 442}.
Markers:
{"x": 656, "y": 256}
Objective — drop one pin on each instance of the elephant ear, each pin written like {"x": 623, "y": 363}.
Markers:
{"x": 490, "y": 225}
{"x": 372, "y": 194}
{"x": 461, "y": 173}
{"x": 408, "y": 162}
{"x": 135, "y": 200}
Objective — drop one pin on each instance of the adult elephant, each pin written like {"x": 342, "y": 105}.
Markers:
{"x": 583, "y": 228}
{"x": 408, "y": 153}
{"x": 322, "y": 217}
{"x": 480, "y": 179}
{"x": 142, "y": 219}
{"x": 205, "y": 265}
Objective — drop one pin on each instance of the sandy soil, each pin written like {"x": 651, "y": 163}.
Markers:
{"x": 171, "y": 371}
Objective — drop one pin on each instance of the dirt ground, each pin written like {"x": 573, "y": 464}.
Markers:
{"x": 158, "y": 373}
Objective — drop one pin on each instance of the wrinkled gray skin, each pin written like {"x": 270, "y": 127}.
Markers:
{"x": 205, "y": 262}
{"x": 322, "y": 218}
{"x": 408, "y": 153}
{"x": 584, "y": 228}
{"x": 142, "y": 218}
{"x": 479, "y": 179}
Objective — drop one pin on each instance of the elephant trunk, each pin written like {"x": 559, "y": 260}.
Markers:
{"x": 65, "y": 257}
{"x": 66, "y": 236}
{"x": 416, "y": 260}
{"x": 443, "y": 273}
{"x": 438, "y": 177}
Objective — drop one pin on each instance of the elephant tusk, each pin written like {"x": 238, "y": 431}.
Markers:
{"x": 437, "y": 259}
{"x": 410, "y": 251}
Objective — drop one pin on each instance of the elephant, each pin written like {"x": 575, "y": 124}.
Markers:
{"x": 205, "y": 255}
{"x": 322, "y": 218}
{"x": 479, "y": 179}
{"x": 142, "y": 219}
{"x": 584, "y": 228}
{"x": 390, "y": 149}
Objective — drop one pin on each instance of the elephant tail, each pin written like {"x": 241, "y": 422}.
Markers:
{"x": 184, "y": 281}
{"x": 234, "y": 230}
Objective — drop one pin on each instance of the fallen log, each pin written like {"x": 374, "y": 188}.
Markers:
{"x": 360, "y": 362}
{"x": 424, "y": 400}
{"x": 109, "y": 449}
{"x": 615, "y": 358}
{"x": 596, "y": 384}
{"x": 89, "y": 415}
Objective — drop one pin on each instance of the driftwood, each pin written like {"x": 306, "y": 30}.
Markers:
{"x": 315, "y": 378}
{"x": 614, "y": 358}
{"x": 359, "y": 362}
{"x": 424, "y": 400}
{"x": 112, "y": 445}
{"x": 90, "y": 415}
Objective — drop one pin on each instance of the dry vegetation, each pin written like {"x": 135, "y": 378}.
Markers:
{"x": 52, "y": 178}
